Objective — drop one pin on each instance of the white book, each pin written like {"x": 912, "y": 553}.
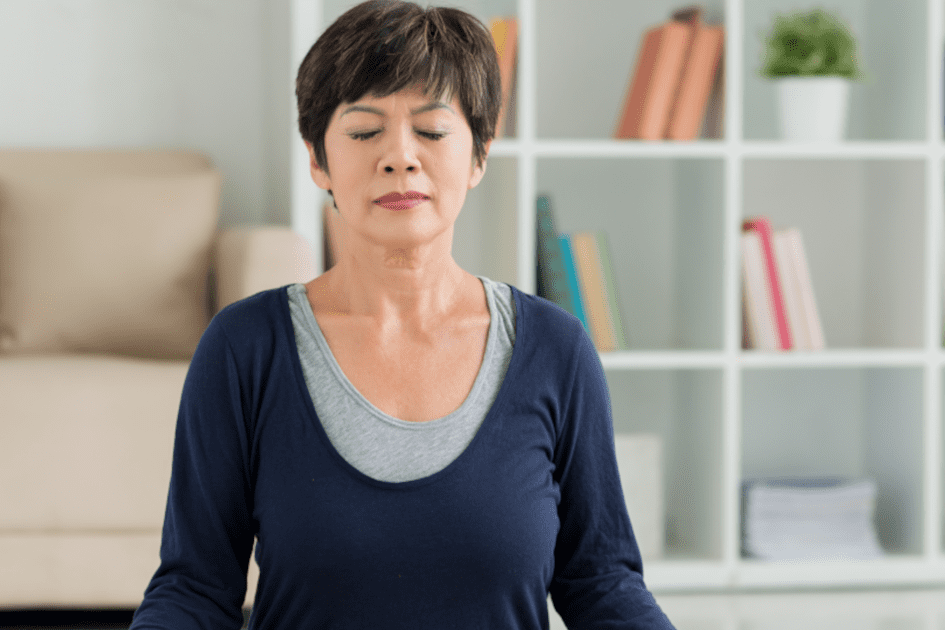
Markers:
{"x": 758, "y": 304}
{"x": 795, "y": 243}
{"x": 790, "y": 289}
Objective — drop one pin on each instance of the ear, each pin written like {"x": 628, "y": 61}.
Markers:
{"x": 479, "y": 171}
{"x": 319, "y": 176}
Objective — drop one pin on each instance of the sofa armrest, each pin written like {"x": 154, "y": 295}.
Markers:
{"x": 247, "y": 260}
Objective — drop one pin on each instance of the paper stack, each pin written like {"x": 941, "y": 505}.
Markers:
{"x": 810, "y": 520}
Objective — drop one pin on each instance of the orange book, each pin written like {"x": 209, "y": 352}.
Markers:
{"x": 505, "y": 34}
{"x": 698, "y": 79}
{"x": 714, "y": 123}
{"x": 651, "y": 93}
{"x": 591, "y": 277}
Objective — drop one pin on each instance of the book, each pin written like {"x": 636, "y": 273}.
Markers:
{"x": 758, "y": 319}
{"x": 652, "y": 90}
{"x": 797, "y": 322}
{"x": 610, "y": 291}
{"x": 803, "y": 315}
{"x": 762, "y": 226}
{"x": 505, "y": 35}
{"x": 700, "y": 75}
{"x": 576, "y": 272}
{"x": 689, "y": 15}
{"x": 552, "y": 275}
{"x": 713, "y": 125}
{"x": 574, "y": 286}
{"x": 591, "y": 277}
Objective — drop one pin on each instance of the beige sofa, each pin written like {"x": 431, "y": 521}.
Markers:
{"x": 111, "y": 264}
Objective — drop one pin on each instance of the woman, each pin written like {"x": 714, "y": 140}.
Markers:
{"x": 411, "y": 445}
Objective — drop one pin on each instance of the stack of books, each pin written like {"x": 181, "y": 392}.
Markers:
{"x": 778, "y": 304}
{"x": 505, "y": 35}
{"x": 576, "y": 273}
{"x": 810, "y": 520}
{"x": 677, "y": 89}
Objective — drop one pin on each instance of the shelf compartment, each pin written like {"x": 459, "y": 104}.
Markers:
{"x": 683, "y": 408}
{"x": 891, "y": 49}
{"x": 846, "y": 423}
{"x": 664, "y": 222}
{"x": 863, "y": 225}
{"x": 586, "y": 56}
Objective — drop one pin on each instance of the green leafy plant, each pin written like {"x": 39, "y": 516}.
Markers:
{"x": 810, "y": 44}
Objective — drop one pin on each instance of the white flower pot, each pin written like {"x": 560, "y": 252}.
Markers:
{"x": 813, "y": 109}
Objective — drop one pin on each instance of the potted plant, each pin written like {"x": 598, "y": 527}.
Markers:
{"x": 811, "y": 56}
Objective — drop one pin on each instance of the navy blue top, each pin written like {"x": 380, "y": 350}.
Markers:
{"x": 533, "y": 505}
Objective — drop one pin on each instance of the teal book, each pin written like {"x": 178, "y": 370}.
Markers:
{"x": 575, "y": 304}
{"x": 556, "y": 276}
{"x": 550, "y": 272}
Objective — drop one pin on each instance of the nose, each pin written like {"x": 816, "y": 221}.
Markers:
{"x": 400, "y": 151}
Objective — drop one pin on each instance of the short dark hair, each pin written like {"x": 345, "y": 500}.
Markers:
{"x": 383, "y": 46}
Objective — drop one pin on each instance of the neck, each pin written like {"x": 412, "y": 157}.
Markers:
{"x": 415, "y": 286}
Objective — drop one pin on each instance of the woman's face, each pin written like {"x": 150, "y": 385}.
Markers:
{"x": 399, "y": 144}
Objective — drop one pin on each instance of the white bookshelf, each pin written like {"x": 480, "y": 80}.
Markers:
{"x": 870, "y": 210}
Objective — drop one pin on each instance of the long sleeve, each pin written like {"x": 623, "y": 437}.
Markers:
{"x": 208, "y": 535}
{"x": 598, "y": 580}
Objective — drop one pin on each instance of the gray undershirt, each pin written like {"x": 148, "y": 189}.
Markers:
{"x": 377, "y": 444}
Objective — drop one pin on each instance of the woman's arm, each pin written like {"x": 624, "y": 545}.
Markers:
{"x": 598, "y": 580}
{"x": 208, "y": 533}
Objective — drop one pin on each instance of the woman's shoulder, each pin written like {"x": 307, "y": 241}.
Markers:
{"x": 543, "y": 311}
{"x": 259, "y": 304}
{"x": 544, "y": 316}
{"x": 256, "y": 318}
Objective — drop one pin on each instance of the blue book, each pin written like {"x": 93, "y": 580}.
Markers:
{"x": 575, "y": 302}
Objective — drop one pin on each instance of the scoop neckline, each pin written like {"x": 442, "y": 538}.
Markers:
{"x": 474, "y": 394}
{"x": 487, "y": 425}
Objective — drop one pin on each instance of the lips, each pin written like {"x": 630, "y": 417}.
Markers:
{"x": 401, "y": 201}
{"x": 393, "y": 197}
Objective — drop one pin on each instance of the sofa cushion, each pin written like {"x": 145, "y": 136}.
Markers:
{"x": 87, "y": 441}
{"x": 85, "y": 570}
{"x": 105, "y": 251}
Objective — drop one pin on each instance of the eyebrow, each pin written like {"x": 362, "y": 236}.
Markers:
{"x": 413, "y": 112}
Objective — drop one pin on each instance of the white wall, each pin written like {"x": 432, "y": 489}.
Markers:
{"x": 209, "y": 75}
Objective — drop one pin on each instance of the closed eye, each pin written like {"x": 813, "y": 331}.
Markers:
{"x": 432, "y": 135}
{"x": 363, "y": 135}
{"x": 367, "y": 135}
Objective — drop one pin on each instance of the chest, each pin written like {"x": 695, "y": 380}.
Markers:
{"x": 347, "y": 545}
{"x": 411, "y": 379}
